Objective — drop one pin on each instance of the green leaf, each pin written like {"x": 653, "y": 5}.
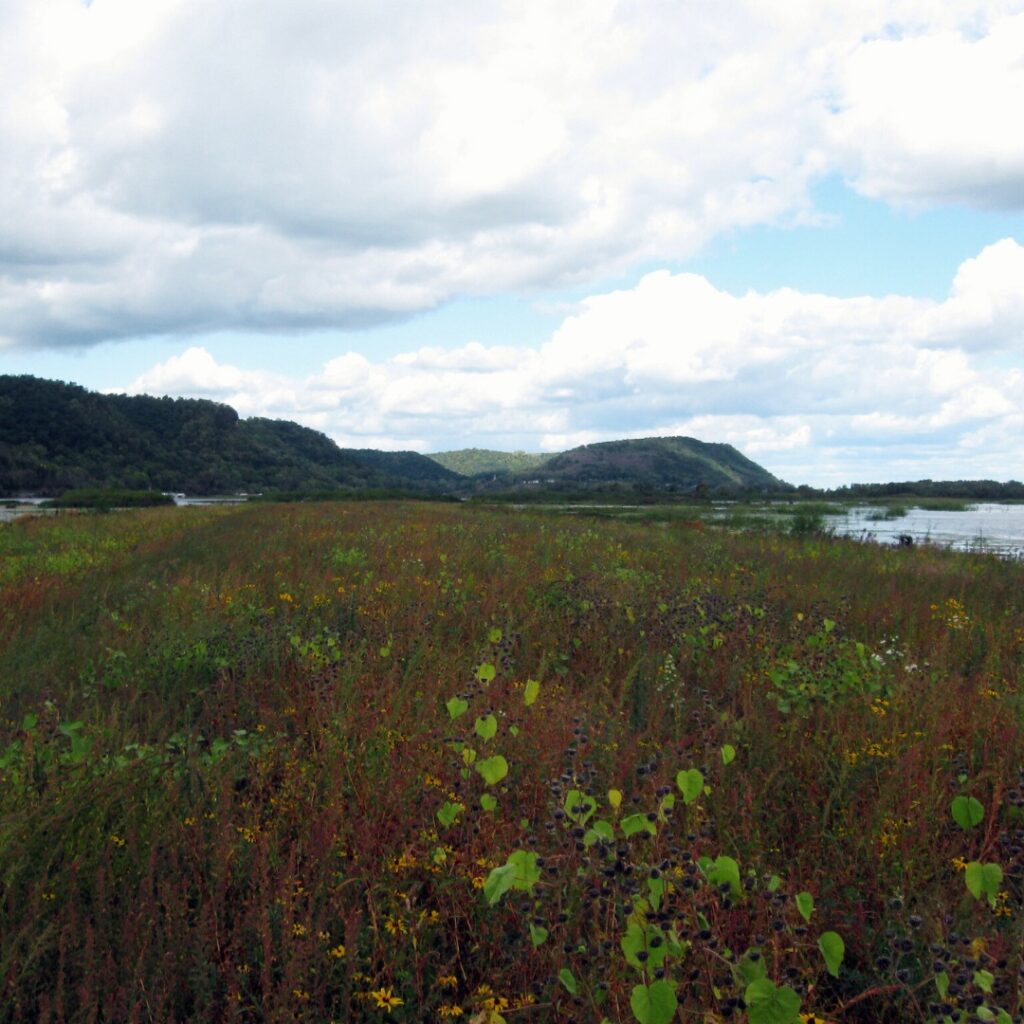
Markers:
{"x": 486, "y": 727}
{"x": 656, "y": 887}
{"x": 691, "y": 784}
{"x": 654, "y": 1004}
{"x": 494, "y": 636}
{"x": 448, "y": 813}
{"x": 967, "y": 812}
{"x": 486, "y": 672}
{"x": 457, "y": 706}
{"x": 724, "y": 869}
{"x": 750, "y": 969}
{"x": 634, "y": 823}
{"x": 984, "y": 980}
{"x": 538, "y": 935}
{"x": 983, "y": 880}
{"x": 728, "y": 754}
{"x": 774, "y": 883}
{"x": 614, "y": 798}
{"x": 768, "y": 1003}
{"x": 488, "y": 802}
{"x": 519, "y": 872}
{"x": 498, "y": 882}
{"x": 565, "y": 976}
{"x": 493, "y": 769}
{"x": 833, "y": 949}
{"x": 805, "y": 904}
{"x": 600, "y": 830}
{"x": 579, "y": 806}
{"x": 942, "y": 984}
{"x": 637, "y": 939}
{"x": 531, "y": 692}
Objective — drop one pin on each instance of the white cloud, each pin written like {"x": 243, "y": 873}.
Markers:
{"x": 176, "y": 166}
{"x": 931, "y": 117}
{"x": 815, "y": 387}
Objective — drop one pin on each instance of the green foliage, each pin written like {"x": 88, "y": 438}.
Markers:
{"x": 201, "y": 737}
{"x": 805, "y": 905}
{"x": 456, "y": 707}
{"x": 691, "y": 784}
{"x": 493, "y": 769}
{"x": 967, "y": 812}
{"x": 105, "y": 500}
{"x": 768, "y": 1003}
{"x": 653, "y": 1004}
{"x": 983, "y": 880}
{"x": 833, "y": 949}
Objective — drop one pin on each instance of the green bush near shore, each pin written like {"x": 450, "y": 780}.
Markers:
{"x": 109, "y": 499}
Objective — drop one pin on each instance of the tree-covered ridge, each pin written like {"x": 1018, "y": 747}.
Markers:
{"x": 55, "y": 437}
{"x": 410, "y": 466}
{"x": 478, "y": 461}
{"x": 678, "y": 463}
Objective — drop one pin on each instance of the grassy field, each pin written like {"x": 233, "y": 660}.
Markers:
{"x": 413, "y": 762}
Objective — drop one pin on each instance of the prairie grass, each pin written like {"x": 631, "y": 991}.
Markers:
{"x": 411, "y": 762}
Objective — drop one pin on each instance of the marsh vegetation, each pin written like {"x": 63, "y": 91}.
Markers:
{"x": 411, "y": 762}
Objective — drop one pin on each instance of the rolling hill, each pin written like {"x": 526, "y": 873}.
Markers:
{"x": 56, "y": 437}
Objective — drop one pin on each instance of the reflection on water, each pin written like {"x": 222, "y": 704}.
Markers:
{"x": 986, "y": 527}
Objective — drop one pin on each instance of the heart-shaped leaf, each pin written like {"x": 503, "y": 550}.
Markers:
{"x": 768, "y": 1003}
{"x": 691, "y": 784}
{"x": 493, "y": 769}
{"x": 486, "y": 727}
{"x": 457, "y": 706}
{"x": 967, "y": 812}
{"x": 654, "y": 1004}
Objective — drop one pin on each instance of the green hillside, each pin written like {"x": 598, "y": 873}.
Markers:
{"x": 478, "y": 461}
{"x": 56, "y": 437}
{"x": 409, "y": 466}
{"x": 660, "y": 463}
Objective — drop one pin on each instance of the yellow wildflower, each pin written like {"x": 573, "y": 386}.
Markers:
{"x": 385, "y": 1000}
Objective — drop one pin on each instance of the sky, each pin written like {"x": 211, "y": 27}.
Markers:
{"x": 796, "y": 226}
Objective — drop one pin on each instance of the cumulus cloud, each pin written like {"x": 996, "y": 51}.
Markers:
{"x": 817, "y": 388}
{"x": 175, "y": 167}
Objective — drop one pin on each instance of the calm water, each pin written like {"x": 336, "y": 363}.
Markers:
{"x": 995, "y": 528}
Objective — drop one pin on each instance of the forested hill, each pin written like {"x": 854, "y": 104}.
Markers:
{"x": 480, "y": 461}
{"x": 56, "y": 436}
{"x": 677, "y": 464}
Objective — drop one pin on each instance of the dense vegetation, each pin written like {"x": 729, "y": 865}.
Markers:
{"x": 107, "y": 500}
{"x": 979, "y": 490}
{"x": 415, "y": 762}
{"x": 680, "y": 463}
{"x": 478, "y": 461}
{"x": 56, "y": 437}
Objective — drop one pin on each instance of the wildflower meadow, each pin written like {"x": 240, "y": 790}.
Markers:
{"x": 403, "y": 762}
